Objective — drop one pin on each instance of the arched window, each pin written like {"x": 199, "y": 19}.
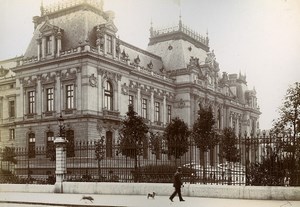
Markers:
{"x": 70, "y": 143}
{"x": 108, "y": 144}
{"x": 31, "y": 145}
{"x": 108, "y": 96}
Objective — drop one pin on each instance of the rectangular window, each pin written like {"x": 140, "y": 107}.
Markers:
{"x": 50, "y": 99}
{"x": 11, "y": 109}
{"x": 169, "y": 115}
{"x": 157, "y": 112}
{"x": 12, "y": 134}
{"x": 131, "y": 100}
{"x": 31, "y": 102}
{"x": 31, "y": 145}
{"x": 144, "y": 108}
{"x": 48, "y": 45}
{"x": 109, "y": 44}
{"x": 70, "y": 96}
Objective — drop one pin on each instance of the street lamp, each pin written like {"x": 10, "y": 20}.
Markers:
{"x": 61, "y": 126}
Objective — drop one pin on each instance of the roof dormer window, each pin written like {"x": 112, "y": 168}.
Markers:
{"x": 49, "y": 41}
{"x": 48, "y": 45}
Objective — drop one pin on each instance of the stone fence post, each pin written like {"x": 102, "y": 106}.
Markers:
{"x": 61, "y": 167}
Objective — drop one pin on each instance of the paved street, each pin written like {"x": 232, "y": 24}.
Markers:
{"x": 46, "y": 199}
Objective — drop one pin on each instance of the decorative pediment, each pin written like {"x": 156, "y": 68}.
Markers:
{"x": 108, "y": 27}
{"x": 111, "y": 26}
{"x": 48, "y": 28}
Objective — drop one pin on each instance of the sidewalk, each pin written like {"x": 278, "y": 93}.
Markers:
{"x": 47, "y": 199}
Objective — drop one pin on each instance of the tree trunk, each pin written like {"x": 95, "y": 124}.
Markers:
{"x": 99, "y": 171}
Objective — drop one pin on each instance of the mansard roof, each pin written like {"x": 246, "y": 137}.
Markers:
{"x": 76, "y": 20}
{"x": 176, "y": 46}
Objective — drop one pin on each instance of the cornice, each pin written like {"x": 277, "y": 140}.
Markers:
{"x": 140, "y": 50}
{"x": 177, "y": 35}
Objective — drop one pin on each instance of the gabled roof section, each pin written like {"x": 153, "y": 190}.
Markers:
{"x": 48, "y": 28}
{"x": 110, "y": 26}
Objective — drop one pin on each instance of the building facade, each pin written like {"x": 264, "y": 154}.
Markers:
{"x": 77, "y": 67}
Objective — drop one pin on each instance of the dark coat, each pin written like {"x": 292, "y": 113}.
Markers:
{"x": 177, "y": 180}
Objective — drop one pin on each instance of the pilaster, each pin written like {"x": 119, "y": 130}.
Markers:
{"x": 58, "y": 87}
{"x": 151, "y": 110}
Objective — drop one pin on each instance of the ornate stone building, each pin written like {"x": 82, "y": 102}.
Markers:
{"x": 77, "y": 67}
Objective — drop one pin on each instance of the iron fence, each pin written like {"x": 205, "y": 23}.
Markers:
{"x": 262, "y": 161}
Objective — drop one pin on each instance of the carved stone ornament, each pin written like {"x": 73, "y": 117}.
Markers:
{"x": 124, "y": 89}
{"x": 150, "y": 65}
{"x": 137, "y": 60}
{"x": 194, "y": 61}
{"x": 93, "y": 80}
{"x": 3, "y": 71}
{"x": 30, "y": 82}
{"x": 68, "y": 75}
{"x": 124, "y": 55}
{"x": 181, "y": 103}
{"x": 48, "y": 78}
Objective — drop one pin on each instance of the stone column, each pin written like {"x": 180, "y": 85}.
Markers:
{"x": 164, "y": 111}
{"x": 113, "y": 47}
{"x": 58, "y": 106}
{"x": 138, "y": 108}
{"x": 20, "y": 99}
{"x": 38, "y": 41}
{"x": 237, "y": 125}
{"x": 100, "y": 90}
{"x": 78, "y": 90}
{"x": 53, "y": 43}
{"x": 61, "y": 163}
{"x": 152, "y": 106}
{"x": 39, "y": 96}
{"x": 43, "y": 47}
{"x": 59, "y": 35}
{"x": 104, "y": 45}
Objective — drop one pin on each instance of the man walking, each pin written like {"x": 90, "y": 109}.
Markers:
{"x": 177, "y": 185}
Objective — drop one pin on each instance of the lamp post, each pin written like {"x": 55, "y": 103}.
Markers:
{"x": 247, "y": 143}
{"x": 60, "y": 145}
{"x": 60, "y": 121}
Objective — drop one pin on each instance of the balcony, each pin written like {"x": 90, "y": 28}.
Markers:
{"x": 111, "y": 115}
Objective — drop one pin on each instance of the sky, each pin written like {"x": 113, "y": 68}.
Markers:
{"x": 259, "y": 38}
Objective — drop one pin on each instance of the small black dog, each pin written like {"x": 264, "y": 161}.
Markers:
{"x": 151, "y": 195}
{"x": 90, "y": 198}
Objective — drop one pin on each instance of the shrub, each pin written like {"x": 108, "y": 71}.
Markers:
{"x": 160, "y": 173}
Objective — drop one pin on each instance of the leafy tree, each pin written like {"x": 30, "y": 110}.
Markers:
{"x": 176, "y": 135}
{"x": 133, "y": 135}
{"x": 99, "y": 153}
{"x": 229, "y": 150}
{"x": 8, "y": 155}
{"x": 288, "y": 122}
{"x": 155, "y": 144}
{"x": 204, "y": 133}
{"x": 289, "y": 112}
